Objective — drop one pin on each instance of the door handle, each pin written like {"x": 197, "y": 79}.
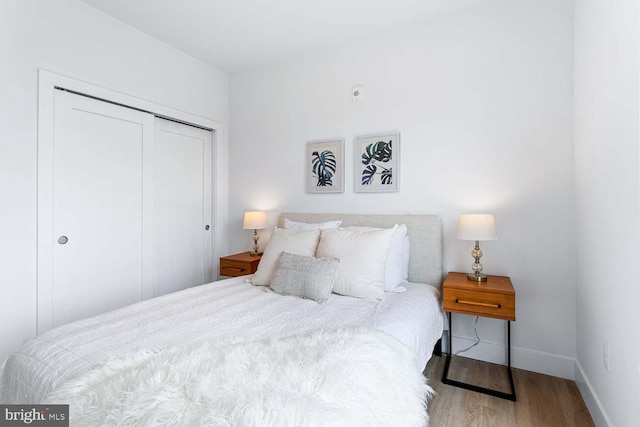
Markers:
{"x": 63, "y": 240}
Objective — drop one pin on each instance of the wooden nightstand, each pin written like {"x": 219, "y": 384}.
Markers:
{"x": 494, "y": 298}
{"x": 239, "y": 264}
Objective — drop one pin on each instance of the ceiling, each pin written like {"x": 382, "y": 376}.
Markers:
{"x": 232, "y": 35}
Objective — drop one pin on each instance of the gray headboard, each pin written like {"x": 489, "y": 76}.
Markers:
{"x": 425, "y": 237}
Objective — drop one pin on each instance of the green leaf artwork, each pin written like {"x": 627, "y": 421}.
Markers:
{"x": 374, "y": 157}
{"x": 323, "y": 166}
{"x": 368, "y": 174}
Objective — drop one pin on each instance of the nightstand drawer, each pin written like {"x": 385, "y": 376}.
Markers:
{"x": 231, "y": 268}
{"x": 239, "y": 264}
{"x": 483, "y": 303}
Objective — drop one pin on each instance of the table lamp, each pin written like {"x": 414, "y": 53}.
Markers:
{"x": 477, "y": 227}
{"x": 256, "y": 221}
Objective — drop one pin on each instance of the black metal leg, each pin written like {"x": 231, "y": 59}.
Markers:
{"x": 437, "y": 349}
{"x": 445, "y": 380}
{"x": 513, "y": 388}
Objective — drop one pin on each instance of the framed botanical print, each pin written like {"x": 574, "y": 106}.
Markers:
{"x": 377, "y": 163}
{"x": 325, "y": 166}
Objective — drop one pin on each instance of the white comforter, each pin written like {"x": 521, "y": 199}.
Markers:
{"x": 229, "y": 310}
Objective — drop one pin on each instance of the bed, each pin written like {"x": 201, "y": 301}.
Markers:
{"x": 234, "y": 353}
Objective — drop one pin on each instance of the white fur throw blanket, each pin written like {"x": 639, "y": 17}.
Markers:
{"x": 326, "y": 378}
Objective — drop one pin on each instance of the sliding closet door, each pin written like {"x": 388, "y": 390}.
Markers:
{"x": 182, "y": 206}
{"x": 100, "y": 232}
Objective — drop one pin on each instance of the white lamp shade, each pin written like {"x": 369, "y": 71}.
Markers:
{"x": 477, "y": 227}
{"x": 254, "y": 221}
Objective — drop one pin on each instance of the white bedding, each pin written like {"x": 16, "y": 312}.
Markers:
{"x": 229, "y": 310}
{"x": 319, "y": 379}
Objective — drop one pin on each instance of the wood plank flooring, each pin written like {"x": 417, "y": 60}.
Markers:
{"x": 543, "y": 401}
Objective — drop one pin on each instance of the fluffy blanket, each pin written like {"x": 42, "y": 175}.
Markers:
{"x": 325, "y": 378}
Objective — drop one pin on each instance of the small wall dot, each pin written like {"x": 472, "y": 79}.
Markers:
{"x": 357, "y": 93}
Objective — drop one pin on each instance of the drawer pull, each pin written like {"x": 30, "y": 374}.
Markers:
{"x": 482, "y": 304}
{"x": 233, "y": 269}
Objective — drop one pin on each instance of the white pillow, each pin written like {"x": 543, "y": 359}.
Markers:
{"x": 406, "y": 254}
{"x": 293, "y": 225}
{"x": 395, "y": 272}
{"x": 305, "y": 276}
{"x": 302, "y": 242}
{"x": 362, "y": 254}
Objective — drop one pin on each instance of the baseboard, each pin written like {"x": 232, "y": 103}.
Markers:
{"x": 598, "y": 414}
{"x": 521, "y": 358}
{"x": 537, "y": 361}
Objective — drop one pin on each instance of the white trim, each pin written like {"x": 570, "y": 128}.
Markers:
{"x": 47, "y": 82}
{"x": 521, "y": 358}
{"x": 544, "y": 363}
{"x": 555, "y": 365}
{"x": 44, "y": 234}
{"x": 148, "y": 218}
{"x": 596, "y": 409}
{"x": 208, "y": 185}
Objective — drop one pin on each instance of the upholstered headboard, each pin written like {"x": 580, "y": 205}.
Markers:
{"x": 425, "y": 237}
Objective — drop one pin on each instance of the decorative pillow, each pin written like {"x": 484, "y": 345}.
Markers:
{"x": 293, "y": 225}
{"x": 362, "y": 254}
{"x": 394, "y": 273}
{"x": 305, "y": 276}
{"x": 302, "y": 242}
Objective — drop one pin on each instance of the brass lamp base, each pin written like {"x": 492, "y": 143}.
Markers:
{"x": 477, "y": 278}
{"x": 255, "y": 253}
{"x": 477, "y": 275}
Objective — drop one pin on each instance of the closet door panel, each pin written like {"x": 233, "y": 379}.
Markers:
{"x": 124, "y": 209}
{"x": 98, "y": 210}
{"x": 182, "y": 206}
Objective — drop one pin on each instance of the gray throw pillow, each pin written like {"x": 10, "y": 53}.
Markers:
{"x": 305, "y": 276}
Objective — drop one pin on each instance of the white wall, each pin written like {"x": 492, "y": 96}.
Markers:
{"x": 607, "y": 72}
{"x": 482, "y": 98}
{"x": 70, "y": 38}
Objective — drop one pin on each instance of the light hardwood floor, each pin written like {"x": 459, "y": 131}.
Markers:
{"x": 543, "y": 401}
